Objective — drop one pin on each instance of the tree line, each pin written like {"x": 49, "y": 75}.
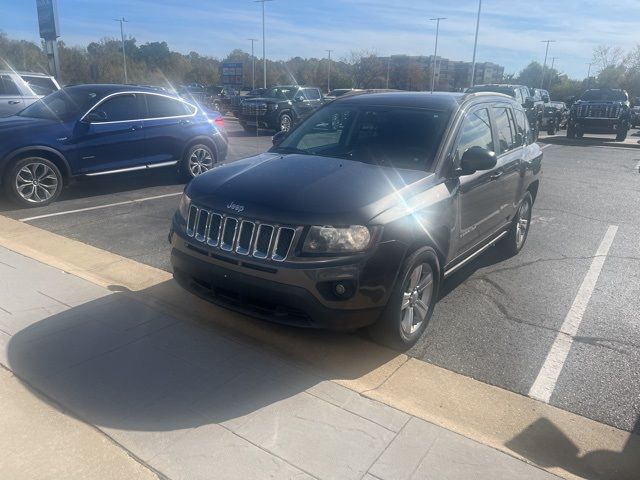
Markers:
{"x": 154, "y": 63}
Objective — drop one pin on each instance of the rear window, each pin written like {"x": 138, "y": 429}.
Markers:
{"x": 160, "y": 107}
{"x": 312, "y": 93}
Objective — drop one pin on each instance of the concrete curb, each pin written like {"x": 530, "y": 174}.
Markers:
{"x": 556, "y": 440}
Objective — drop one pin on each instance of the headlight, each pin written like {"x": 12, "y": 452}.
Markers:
{"x": 183, "y": 207}
{"x": 355, "y": 238}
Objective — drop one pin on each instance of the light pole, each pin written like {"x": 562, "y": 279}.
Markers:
{"x": 553, "y": 62}
{"x": 329, "y": 71}
{"x": 388, "y": 68}
{"x": 124, "y": 55}
{"x": 544, "y": 66}
{"x": 589, "y": 75}
{"x": 435, "y": 52}
{"x": 475, "y": 46}
{"x": 264, "y": 50}
{"x": 253, "y": 64}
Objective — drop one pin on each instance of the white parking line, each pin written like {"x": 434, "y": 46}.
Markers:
{"x": 545, "y": 146}
{"x": 98, "y": 207}
{"x": 545, "y": 382}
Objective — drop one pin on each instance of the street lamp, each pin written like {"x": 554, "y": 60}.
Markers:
{"x": 544, "y": 66}
{"x": 475, "y": 46}
{"x": 435, "y": 52}
{"x": 264, "y": 51}
{"x": 253, "y": 64}
{"x": 124, "y": 55}
{"x": 329, "y": 71}
{"x": 388, "y": 68}
{"x": 589, "y": 74}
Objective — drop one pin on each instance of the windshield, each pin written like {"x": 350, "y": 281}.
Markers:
{"x": 389, "y": 136}
{"x": 280, "y": 92}
{"x": 492, "y": 88}
{"x": 604, "y": 95}
{"x": 61, "y": 105}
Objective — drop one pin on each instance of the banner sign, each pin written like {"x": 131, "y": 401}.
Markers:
{"x": 231, "y": 74}
{"x": 48, "y": 19}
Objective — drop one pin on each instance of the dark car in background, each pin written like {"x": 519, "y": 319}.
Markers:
{"x": 635, "y": 113}
{"x": 532, "y": 104}
{"x": 20, "y": 89}
{"x": 91, "y": 130}
{"x": 220, "y": 98}
{"x": 600, "y": 110}
{"x": 358, "y": 226}
{"x": 279, "y": 108}
{"x": 339, "y": 92}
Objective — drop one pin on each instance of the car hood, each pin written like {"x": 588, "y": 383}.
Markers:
{"x": 305, "y": 189}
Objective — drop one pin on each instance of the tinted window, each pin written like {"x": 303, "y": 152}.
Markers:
{"x": 522, "y": 125}
{"x": 312, "y": 93}
{"x": 387, "y": 136}
{"x": 7, "y": 86}
{"x": 160, "y": 107}
{"x": 519, "y": 97}
{"x": 505, "y": 129}
{"x": 475, "y": 132}
{"x": 63, "y": 104}
{"x": 120, "y": 108}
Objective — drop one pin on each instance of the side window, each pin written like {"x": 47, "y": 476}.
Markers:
{"x": 121, "y": 108}
{"x": 7, "y": 86}
{"x": 299, "y": 96}
{"x": 523, "y": 126}
{"x": 160, "y": 107}
{"x": 475, "y": 132}
{"x": 519, "y": 97}
{"x": 505, "y": 129}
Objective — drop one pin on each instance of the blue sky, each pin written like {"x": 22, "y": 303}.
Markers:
{"x": 510, "y": 31}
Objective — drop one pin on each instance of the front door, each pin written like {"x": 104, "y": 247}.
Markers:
{"x": 110, "y": 137}
{"x": 478, "y": 208}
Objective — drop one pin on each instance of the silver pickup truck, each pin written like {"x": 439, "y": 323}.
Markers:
{"x": 20, "y": 89}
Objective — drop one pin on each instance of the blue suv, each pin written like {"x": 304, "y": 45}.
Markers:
{"x": 90, "y": 130}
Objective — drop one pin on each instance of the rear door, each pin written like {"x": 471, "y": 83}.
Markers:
{"x": 306, "y": 101}
{"x": 168, "y": 125}
{"x": 506, "y": 176}
{"x": 11, "y": 101}
{"x": 116, "y": 141}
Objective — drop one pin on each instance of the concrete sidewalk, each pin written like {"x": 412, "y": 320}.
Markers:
{"x": 187, "y": 401}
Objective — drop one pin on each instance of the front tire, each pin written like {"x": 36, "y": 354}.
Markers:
{"x": 33, "y": 182}
{"x": 198, "y": 160}
{"x": 515, "y": 239}
{"x": 285, "y": 122}
{"x": 551, "y": 130}
{"x": 411, "y": 303}
{"x": 621, "y": 136}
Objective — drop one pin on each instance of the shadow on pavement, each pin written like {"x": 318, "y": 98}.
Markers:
{"x": 545, "y": 444}
{"x": 115, "y": 362}
{"x": 244, "y": 134}
{"x": 586, "y": 142}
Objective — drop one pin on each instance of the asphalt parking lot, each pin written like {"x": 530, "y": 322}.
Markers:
{"x": 498, "y": 319}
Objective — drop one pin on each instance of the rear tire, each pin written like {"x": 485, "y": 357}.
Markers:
{"x": 410, "y": 306}
{"x": 621, "y": 136}
{"x": 33, "y": 182}
{"x": 285, "y": 122}
{"x": 517, "y": 235}
{"x": 551, "y": 130}
{"x": 199, "y": 159}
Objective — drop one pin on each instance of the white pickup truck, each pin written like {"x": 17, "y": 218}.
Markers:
{"x": 20, "y": 89}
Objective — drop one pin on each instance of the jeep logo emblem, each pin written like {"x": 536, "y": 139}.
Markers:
{"x": 235, "y": 207}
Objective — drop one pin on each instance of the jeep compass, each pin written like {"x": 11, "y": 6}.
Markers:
{"x": 356, "y": 217}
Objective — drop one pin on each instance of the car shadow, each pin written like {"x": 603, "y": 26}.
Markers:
{"x": 120, "y": 363}
{"x": 546, "y": 445}
{"x": 244, "y": 134}
{"x": 580, "y": 142}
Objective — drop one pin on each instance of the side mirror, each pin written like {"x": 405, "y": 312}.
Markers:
{"x": 95, "y": 116}
{"x": 476, "y": 158}
{"x": 546, "y": 99}
{"x": 528, "y": 102}
{"x": 278, "y": 138}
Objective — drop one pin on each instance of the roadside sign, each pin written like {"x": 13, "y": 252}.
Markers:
{"x": 231, "y": 74}
{"x": 48, "y": 19}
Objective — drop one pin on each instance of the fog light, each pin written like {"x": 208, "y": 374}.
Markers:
{"x": 340, "y": 289}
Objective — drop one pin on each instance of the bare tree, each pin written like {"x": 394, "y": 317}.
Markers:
{"x": 367, "y": 69}
{"x": 605, "y": 57}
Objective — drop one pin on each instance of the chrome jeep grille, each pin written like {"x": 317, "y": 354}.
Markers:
{"x": 598, "y": 111}
{"x": 252, "y": 108}
{"x": 240, "y": 235}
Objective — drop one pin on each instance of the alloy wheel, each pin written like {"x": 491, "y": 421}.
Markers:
{"x": 200, "y": 161}
{"x": 285, "y": 123}
{"x": 522, "y": 223}
{"x": 416, "y": 299}
{"x": 36, "y": 182}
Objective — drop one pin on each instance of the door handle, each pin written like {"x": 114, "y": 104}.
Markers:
{"x": 185, "y": 122}
{"x": 496, "y": 175}
{"x": 135, "y": 127}
{"x": 14, "y": 102}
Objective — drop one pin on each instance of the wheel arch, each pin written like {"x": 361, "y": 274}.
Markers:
{"x": 201, "y": 140}
{"x": 51, "y": 154}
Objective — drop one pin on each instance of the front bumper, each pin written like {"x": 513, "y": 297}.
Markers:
{"x": 299, "y": 295}
{"x": 600, "y": 125}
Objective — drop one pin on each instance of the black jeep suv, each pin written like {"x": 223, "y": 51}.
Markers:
{"x": 359, "y": 223}
{"x": 600, "y": 110}
{"x": 279, "y": 108}
{"x": 529, "y": 99}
